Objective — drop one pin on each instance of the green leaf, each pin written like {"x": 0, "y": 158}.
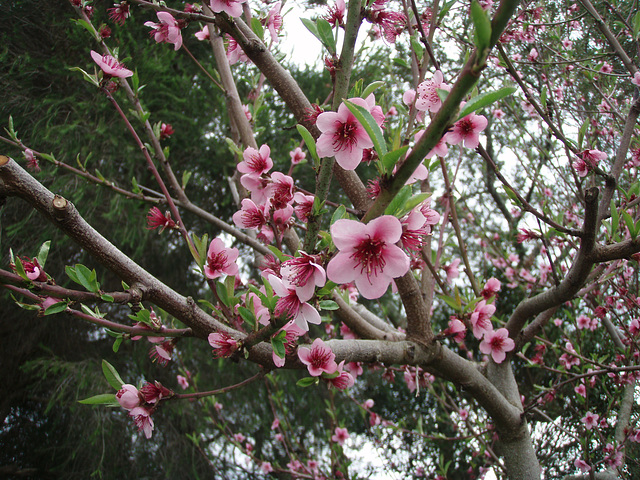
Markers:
{"x": 102, "y": 399}
{"x": 56, "y": 308}
{"x": 372, "y": 87}
{"x": 142, "y": 316}
{"x": 369, "y": 124}
{"x": 482, "y": 26}
{"x": 86, "y": 25}
{"x": 247, "y": 315}
{"x": 106, "y": 298}
{"x": 582, "y": 132}
{"x": 451, "y": 302}
{"x": 636, "y": 26}
{"x": 257, "y": 28}
{"x": 116, "y": 344}
{"x": 615, "y": 217}
{"x": 543, "y": 97}
{"x": 326, "y": 35}
{"x": 398, "y": 201}
{"x": 92, "y": 79}
{"x": 484, "y": 99}
{"x": 12, "y": 133}
{"x": 279, "y": 255}
{"x": 222, "y": 294}
{"x": 307, "y": 381}
{"x": 17, "y": 261}
{"x": 411, "y": 203}
{"x": 390, "y": 159}
{"x": 186, "y": 175}
{"x": 328, "y": 305}
{"x": 445, "y": 9}
{"x": 87, "y": 278}
{"x": 278, "y": 346}
{"x": 339, "y": 214}
{"x": 308, "y": 141}
{"x": 112, "y": 376}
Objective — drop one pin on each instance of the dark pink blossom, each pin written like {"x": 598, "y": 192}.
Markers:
{"x": 154, "y": 392}
{"x": 491, "y": 288}
{"x": 220, "y": 260}
{"x": 167, "y": 30}
{"x": 297, "y": 156}
{"x": 343, "y": 380}
{"x": 166, "y": 130}
{"x": 340, "y": 435}
{"x": 590, "y": 420}
{"x": 155, "y": 219}
{"x": 119, "y": 12}
{"x": 32, "y": 269}
{"x": 368, "y": 254}
{"x": 256, "y": 162}
{"x": 162, "y": 353}
{"x": 110, "y": 66}
{"x": 251, "y": 215}
{"x": 337, "y": 13}
{"x": 319, "y": 358}
{"x": 497, "y": 343}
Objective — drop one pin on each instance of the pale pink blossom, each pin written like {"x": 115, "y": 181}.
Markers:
{"x": 274, "y": 21}
{"x": 368, "y": 254}
{"x": 266, "y": 467}
{"x": 297, "y": 156}
{"x": 481, "y": 319}
{"x": 203, "y": 34}
{"x": 220, "y": 260}
{"x": 498, "y": 114}
{"x": 491, "y": 288}
{"x": 467, "y": 130}
{"x": 533, "y": 55}
{"x": 305, "y": 273}
{"x": 340, "y": 435}
{"x": 304, "y": 204}
{"x": 235, "y": 53}
{"x": 583, "y": 322}
{"x": 128, "y": 397}
{"x": 590, "y": 420}
{"x": 280, "y": 191}
{"x": 256, "y": 162}
{"x": 343, "y": 137}
{"x": 606, "y": 68}
{"x": 110, "y": 66}
{"x": 32, "y": 160}
{"x": 427, "y": 98}
{"x": 582, "y": 465}
{"x": 452, "y": 270}
{"x": 497, "y": 343}
{"x": 166, "y": 30}
{"x": 223, "y": 344}
{"x": 231, "y": 7}
{"x": 581, "y": 167}
{"x": 162, "y": 353}
{"x": 636, "y": 79}
{"x": 182, "y": 381}
{"x": 293, "y": 305}
{"x": 319, "y": 358}
{"x": 142, "y": 418}
{"x": 566, "y": 43}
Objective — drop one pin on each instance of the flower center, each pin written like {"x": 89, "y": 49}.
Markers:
{"x": 369, "y": 255}
{"x": 217, "y": 261}
{"x": 465, "y": 126}
{"x": 345, "y": 136}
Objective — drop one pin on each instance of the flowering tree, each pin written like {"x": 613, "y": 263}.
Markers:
{"x": 472, "y": 228}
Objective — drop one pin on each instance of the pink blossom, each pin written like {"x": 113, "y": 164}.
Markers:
{"x": 162, "y": 353}
{"x": 128, "y": 397}
{"x": 491, "y": 288}
{"x": 119, "y": 12}
{"x": 266, "y": 467}
{"x": 220, "y": 260}
{"x": 581, "y": 167}
{"x": 32, "y": 160}
{"x": 467, "y": 130}
{"x": 280, "y": 191}
{"x": 583, "y": 322}
{"x": 305, "y": 273}
{"x": 203, "y": 34}
{"x": 183, "y": 382}
{"x": 256, "y": 162}
{"x": 231, "y": 7}
{"x": 235, "y": 53}
{"x": 533, "y": 55}
{"x": 368, "y": 254}
{"x": 340, "y": 436}
{"x": 566, "y": 43}
{"x": 498, "y": 114}
{"x": 337, "y": 13}
{"x": 497, "y": 343}
{"x": 297, "y": 156}
{"x": 274, "y": 21}
{"x": 142, "y": 418}
{"x": 452, "y": 270}
{"x": 414, "y": 230}
{"x": 166, "y": 130}
{"x": 481, "y": 318}
{"x": 590, "y": 420}
{"x": 250, "y": 215}
{"x": 636, "y": 79}
{"x": 304, "y": 204}
{"x": 166, "y": 30}
{"x": 582, "y": 465}
{"x": 110, "y": 66}
{"x": 457, "y": 329}
{"x": 319, "y": 358}
{"x": 293, "y": 304}
{"x": 606, "y": 68}
{"x": 428, "y": 99}
{"x": 343, "y": 380}
{"x": 223, "y": 344}
{"x": 581, "y": 390}
{"x": 342, "y": 134}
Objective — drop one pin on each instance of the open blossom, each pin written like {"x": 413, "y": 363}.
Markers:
{"x": 32, "y": 269}
{"x": 166, "y": 30}
{"x": 481, "y": 318}
{"x": 297, "y": 156}
{"x": 342, "y": 134}
{"x": 183, "y": 381}
{"x": 231, "y": 7}
{"x": 319, "y": 358}
{"x": 119, "y": 12}
{"x": 223, "y": 344}
{"x": 427, "y": 99}
{"x": 220, "y": 260}
{"x": 340, "y": 436}
{"x": 154, "y": 392}
{"x": 251, "y": 215}
{"x": 491, "y": 288}
{"x": 110, "y": 66}
{"x": 155, "y": 219}
{"x": 368, "y": 254}
{"x": 203, "y": 34}
{"x": 274, "y": 21}
{"x": 344, "y": 379}
{"x": 235, "y": 53}
{"x": 256, "y": 162}
{"x": 293, "y": 304}
{"x": 636, "y": 79}
{"x": 590, "y": 420}
{"x": 337, "y": 13}
{"x": 32, "y": 160}
{"x": 467, "y": 130}
{"x": 497, "y": 343}
{"x": 162, "y": 353}
{"x": 305, "y": 273}
{"x": 582, "y": 465}
{"x": 142, "y": 418}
